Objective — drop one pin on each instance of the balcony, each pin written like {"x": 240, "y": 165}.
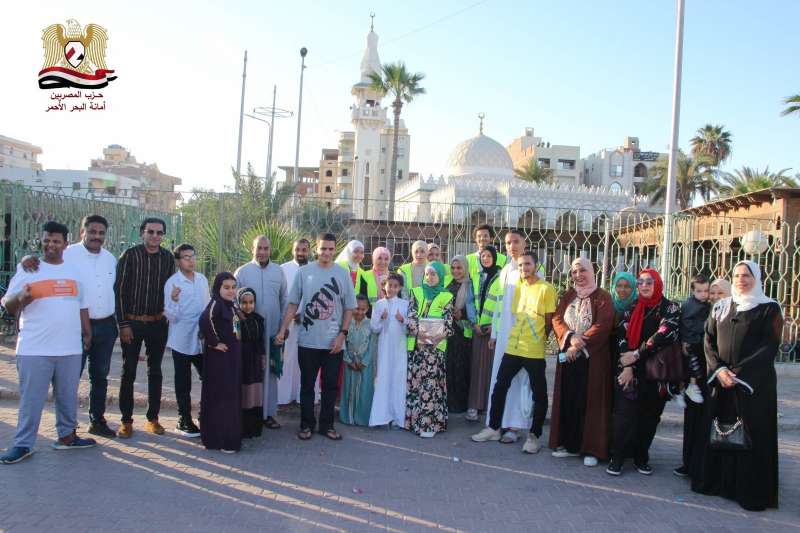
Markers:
{"x": 344, "y": 180}
{"x": 374, "y": 113}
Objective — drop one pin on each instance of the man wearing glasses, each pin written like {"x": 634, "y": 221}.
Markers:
{"x": 142, "y": 273}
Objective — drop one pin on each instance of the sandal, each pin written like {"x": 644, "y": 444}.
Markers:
{"x": 332, "y": 434}
{"x": 271, "y": 423}
{"x": 304, "y": 434}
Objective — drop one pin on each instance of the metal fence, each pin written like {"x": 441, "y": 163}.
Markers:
{"x": 222, "y": 226}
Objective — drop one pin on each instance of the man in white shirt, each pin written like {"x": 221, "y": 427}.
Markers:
{"x": 289, "y": 383}
{"x": 54, "y": 331}
{"x": 185, "y": 298}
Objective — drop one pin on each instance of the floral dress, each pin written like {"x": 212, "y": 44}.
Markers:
{"x": 426, "y": 397}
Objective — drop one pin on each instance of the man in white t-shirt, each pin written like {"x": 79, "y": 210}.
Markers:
{"x": 54, "y": 331}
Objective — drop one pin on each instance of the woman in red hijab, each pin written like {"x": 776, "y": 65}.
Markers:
{"x": 638, "y": 402}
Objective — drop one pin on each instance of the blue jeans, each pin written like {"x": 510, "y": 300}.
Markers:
{"x": 104, "y": 336}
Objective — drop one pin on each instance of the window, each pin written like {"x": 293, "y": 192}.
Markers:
{"x": 544, "y": 162}
{"x": 400, "y": 174}
{"x": 367, "y": 167}
{"x": 76, "y": 185}
{"x": 344, "y": 172}
{"x": 111, "y": 190}
{"x": 383, "y": 150}
{"x": 616, "y": 170}
{"x": 327, "y": 188}
{"x": 616, "y": 187}
{"x": 383, "y": 171}
{"x": 566, "y": 164}
{"x": 640, "y": 171}
{"x": 328, "y": 204}
{"x": 328, "y": 173}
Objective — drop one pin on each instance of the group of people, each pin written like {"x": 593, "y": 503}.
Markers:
{"x": 406, "y": 349}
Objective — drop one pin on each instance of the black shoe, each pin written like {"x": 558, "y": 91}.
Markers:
{"x": 101, "y": 429}
{"x": 644, "y": 469}
{"x": 187, "y": 428}
{"x": 681, "y": 471}
{"x": 614, "y": 468}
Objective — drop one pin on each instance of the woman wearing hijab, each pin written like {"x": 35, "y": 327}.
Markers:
{"x": 582, "y": 397}
{"x": 459, "y": 345}
{"x": 720, "y": 288}
{"x": 741, "y": 340}
{"x": 624, "y": 294}
{"x": 414, "y": 271}
{"x": 221, "y": 393}
{"x": 487, "y": 292}
{"x": 251, "y": 326}
{"x": 350, "y": 259}
{"x": 426, "y": 398}
{"x": 372, "y": 279}
{"x": 651, "y": 325}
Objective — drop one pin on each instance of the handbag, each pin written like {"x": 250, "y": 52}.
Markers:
{"x": 666, "y": 365}
{"x": 730, "y": 437}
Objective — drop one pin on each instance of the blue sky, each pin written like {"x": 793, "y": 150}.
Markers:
{"x": 580, "y": 72}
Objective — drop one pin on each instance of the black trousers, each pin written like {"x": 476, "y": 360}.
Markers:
{"x": 315, "y": 361}
{"x": 154, "y": 337}
{"x": 635, "y": 421}
{"x": 182, "y": 364}
{"x": 509, "y": 366}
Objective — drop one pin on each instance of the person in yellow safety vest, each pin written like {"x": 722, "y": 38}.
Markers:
{"x": 414, "y": 271}
{"x": 426, "y": 399}
{"x": 483, "y": 235}
{"x": 435, "y": 254}
{"x": 487, "y": 297}
{"x": 459, "y": 346}
{"x": 350, "y": 259}
{"x": 372, "y": 279}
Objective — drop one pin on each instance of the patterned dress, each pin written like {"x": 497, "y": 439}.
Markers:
{"x": 426, "y": 399}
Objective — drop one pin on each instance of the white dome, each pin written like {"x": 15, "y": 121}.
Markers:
{"x": 480, "y": 155}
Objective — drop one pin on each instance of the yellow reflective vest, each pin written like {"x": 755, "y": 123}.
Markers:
{"x": 435, "y": 310}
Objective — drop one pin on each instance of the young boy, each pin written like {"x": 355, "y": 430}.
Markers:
{"x": 694, "y": 313}
{"x": 359, "y": 372}
{"x": 533, "y": 306}
{"x": 185, "y": 297}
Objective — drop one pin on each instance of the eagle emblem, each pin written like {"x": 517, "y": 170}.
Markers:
{"x": 75, "y": 57}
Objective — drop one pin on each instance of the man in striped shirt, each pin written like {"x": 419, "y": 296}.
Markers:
{"x": 142, "y": 272}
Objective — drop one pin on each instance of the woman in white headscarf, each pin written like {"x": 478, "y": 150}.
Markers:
{"x": 350, "y": 259}
{"x": 742, "y": 337}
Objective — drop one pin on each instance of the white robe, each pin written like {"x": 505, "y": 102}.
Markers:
{"x": 289, "y": 383}
{"x": 518, "y": 412}
{"x": 389, "y": 399}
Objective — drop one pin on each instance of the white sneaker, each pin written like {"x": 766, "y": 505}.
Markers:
{"x": 590, "y": 460}
{"x": 562, "y": 452}
{"x": 510, "y": 437}
{"x": 531, "y": 444}
{"x": 680, "y": 401}
{"x": 427, "y": 434}
{"x": 472, "y": 415}
{"x": 228, "y": 451}
{"x": 694, "y": 393}
{"x": 487, "y": 434}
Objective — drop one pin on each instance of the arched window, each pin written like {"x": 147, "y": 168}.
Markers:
{"x": 328, "y": 173}
{"x": 531, "y": 219}
{"x": 640, "y": 171}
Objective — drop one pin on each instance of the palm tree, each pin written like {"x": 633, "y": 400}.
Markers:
{"x": 535, "y": 173}
{"x": 749, "y": 179}
{"x": 403, "y": 86}
{"x": 793, "y": 105}
{"x": 694, "y": 175}
{"x": 712, "y": 141}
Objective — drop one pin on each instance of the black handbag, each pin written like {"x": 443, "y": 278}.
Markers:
{"x": 730, "y": 437}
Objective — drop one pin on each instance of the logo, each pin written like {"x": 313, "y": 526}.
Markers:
{"x": 75, "y": 57}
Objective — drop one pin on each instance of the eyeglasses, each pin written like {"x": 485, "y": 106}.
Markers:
{"x": 641, "y": 282}
{"x": 155, "y": 232}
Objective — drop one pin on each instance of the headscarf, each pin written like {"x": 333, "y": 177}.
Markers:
{"x": 725, "y": 286}
{"x": 376, "y": 253}
{"x": 252, "y": 327}
{"x": 590, "y": 285}
{"x": 642, "y": 305}
{"x": 620, "y": 306}
{"x": 226, "y": 308}
{"x": 418, "y": 244}
{"x": 461, "y": 294}
{"x": 347, "y": 254}
{"x": 487, "y": 274}
{"x": 744, "y": 302}
{"x": 432, "y": 292}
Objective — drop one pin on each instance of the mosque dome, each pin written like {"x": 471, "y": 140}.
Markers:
{"x": 480, "y": 155}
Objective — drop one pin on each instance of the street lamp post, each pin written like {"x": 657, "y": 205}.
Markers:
{"x": 241, "y": 124}
{"x": 274, "y": 113}
{"x": 303, "y": 52}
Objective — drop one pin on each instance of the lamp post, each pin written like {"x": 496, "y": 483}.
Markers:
{"x": 241, "y": 124}
{"x": 273, "y": 112}
{"x": 303, "y": 53}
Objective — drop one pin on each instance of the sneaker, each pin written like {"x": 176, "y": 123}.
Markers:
{"x": 681, "y": 471}
{"x": 427, "y": 434}
{"x": 562, "y": 452}
{"x": 125, "y": 430}
{"x": 152, "y": 426}
{"x": 590, "y": 461}
{"x": 644, "y": 469}
{"x": 187, "y": 428}
{"x": 614, "y": 468}
{"x": 75, "y": 443}
{"x": 487, "y": 434}
{"x": 228, "y": 451}
{"x": 694, "y": 393}
{"x": 531, "y": 444}
{"x": 15, "y": 455}
{"x": 679, "y": 401}
{"x": 101, "y": 429}
{"x": 509, "y": 437}
{"x": 472, "y": 415}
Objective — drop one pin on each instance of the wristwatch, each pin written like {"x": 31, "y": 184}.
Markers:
{"x": 343, "y": 332}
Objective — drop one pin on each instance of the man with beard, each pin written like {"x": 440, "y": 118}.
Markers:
{"x": 289, "y": 382}
{"x": 323, "y": 293}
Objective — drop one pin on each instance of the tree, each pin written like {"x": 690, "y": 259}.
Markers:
{"x": 749, "y": 179}
{"x": 712, "y": 141}
{"x": 792, "y": 105}
{"x": 535, "y": 173}
{"x": 694, "y": 175}
{"x": 395, "y": 80}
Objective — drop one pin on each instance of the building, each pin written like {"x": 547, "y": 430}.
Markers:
{"x": 624, "y": 168}
{"x": 308, "y": 184}
{"x": 328, "y": 174}
{"x": 562, "y": 160}
{"x": 19, "y": 154}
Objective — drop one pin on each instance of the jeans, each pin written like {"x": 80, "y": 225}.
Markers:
{"x": 182, "y": 364}
{"x": 104, "y": 336}
{"x": 154, "y": 337}
{"x": 509, "y": 366}
{"x": 311, "y": 361}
